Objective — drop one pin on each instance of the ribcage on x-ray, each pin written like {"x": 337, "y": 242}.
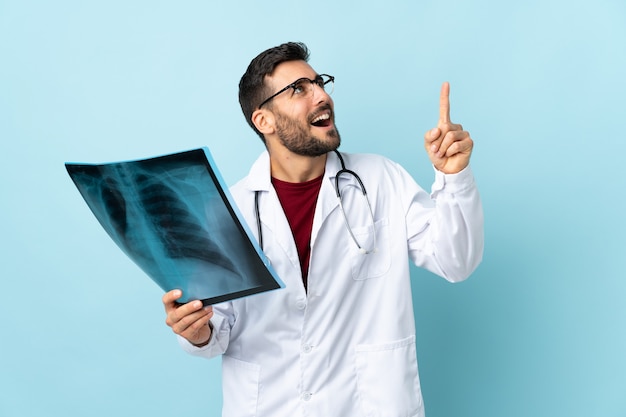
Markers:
{"x": 115, "y": 204}
{"x": 180, "y": 232}
{"x": 165, "y": 218}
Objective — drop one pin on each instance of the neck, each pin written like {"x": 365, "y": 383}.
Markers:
{"x": 289, "y": 167}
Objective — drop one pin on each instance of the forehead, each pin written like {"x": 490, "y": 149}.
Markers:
{"x": 287, "y": 72}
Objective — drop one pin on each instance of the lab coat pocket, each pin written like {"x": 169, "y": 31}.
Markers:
{"x": 376, "y": 263}
{"x": 387, "y": 379}
{"x": 240, "y": 384}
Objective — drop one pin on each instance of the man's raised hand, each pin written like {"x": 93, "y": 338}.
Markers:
{"x": 449, "y": 147}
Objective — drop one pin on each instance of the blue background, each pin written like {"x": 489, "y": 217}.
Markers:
{"x": 539, "y": 330}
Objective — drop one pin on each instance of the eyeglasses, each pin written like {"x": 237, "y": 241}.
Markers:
{"x": 303, "y": 87}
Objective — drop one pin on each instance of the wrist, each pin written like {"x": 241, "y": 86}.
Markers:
{"x": 206, "y": 342}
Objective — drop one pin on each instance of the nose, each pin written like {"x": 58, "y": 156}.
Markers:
{"x": 319, "y": 95}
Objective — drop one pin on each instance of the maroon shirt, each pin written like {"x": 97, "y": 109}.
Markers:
{"x": 298, "y": 200}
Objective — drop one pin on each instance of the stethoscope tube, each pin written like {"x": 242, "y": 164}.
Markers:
{"x": 258, "y": 217}
{"x": 343, "y": 170}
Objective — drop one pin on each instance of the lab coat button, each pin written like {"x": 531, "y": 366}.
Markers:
{"x": 300, "y": 304}
{"x": 307, "y": 348}
{"x": 306, "y": 396}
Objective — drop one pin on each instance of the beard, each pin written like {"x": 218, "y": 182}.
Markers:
{"x": 295, "y": 135}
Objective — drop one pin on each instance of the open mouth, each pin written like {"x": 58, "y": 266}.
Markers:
{"x": 322, "y": 120}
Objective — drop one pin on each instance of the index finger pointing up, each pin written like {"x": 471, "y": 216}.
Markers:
{"x": 444, "y": 103}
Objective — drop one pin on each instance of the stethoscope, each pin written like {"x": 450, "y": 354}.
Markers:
{"x": 342, "y": 171}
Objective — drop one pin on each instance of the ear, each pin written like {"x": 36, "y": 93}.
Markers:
{"x": 264, "y": 121}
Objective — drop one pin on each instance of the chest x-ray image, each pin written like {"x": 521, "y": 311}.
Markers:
{"x": 173, "y": 216}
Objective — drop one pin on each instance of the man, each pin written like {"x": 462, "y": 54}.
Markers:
{"x": 339, "y": 339}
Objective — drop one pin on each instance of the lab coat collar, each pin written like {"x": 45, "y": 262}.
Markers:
{"x": 272, "y": 218}
{"x": 259, "y": 180}
{"x": 327, "y": 200}
{"x": 259, "y": 176}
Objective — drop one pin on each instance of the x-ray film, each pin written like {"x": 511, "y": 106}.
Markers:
{"x": 175, "y": 218}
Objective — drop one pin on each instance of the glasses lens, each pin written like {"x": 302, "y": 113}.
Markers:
{"x": 329, "y": 83}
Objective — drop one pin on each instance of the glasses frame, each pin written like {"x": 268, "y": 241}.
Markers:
{"x": 320, "y": 80}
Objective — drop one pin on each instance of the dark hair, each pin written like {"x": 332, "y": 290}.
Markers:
{"x": 252, "y": 88}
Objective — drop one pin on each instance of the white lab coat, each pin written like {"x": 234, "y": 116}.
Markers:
{"x": 347, "y": 347}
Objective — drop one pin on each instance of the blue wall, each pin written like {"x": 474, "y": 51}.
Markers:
{"x": 537, "y": 331}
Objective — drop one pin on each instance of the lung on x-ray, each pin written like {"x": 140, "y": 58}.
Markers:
{"x": 174, "y": 217}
